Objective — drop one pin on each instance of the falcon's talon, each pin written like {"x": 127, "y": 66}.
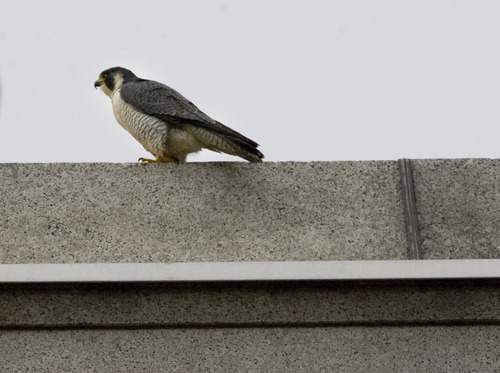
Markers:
{"x": 157, "y": 160}
{"x": 166, "y": 123}
{"x": 146, "y": 160}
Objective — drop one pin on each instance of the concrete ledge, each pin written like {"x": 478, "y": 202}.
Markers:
{"x": 217, "y": 212}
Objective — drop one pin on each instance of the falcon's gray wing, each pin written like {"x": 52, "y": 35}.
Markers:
{"x": 167, "y": 104}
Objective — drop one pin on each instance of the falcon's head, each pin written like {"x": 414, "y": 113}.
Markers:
{"x": 112, "y": 79}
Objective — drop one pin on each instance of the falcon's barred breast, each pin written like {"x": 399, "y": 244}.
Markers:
{"x": 166, "y": 123}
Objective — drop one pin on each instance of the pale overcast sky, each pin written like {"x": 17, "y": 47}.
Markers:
{"x": 308, "y": 80}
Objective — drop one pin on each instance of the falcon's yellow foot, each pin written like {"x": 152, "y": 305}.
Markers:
{"x": 157, "y": 160}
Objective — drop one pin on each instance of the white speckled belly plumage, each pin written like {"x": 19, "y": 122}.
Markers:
{"x": 153, "y": 133}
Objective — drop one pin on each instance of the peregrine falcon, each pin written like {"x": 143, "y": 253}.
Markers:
{"x": 166, "y": 123}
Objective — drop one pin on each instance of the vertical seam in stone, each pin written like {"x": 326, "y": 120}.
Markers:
{"x": 410, "y": 208}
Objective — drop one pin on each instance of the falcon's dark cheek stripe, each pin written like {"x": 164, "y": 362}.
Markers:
{"x": 110, "y": 82}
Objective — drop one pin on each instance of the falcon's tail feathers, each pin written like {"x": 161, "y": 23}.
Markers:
{"x": 246, "y": 150}
{"x": 223, "y": 139}
{"x": 234, "y": 146}
{"x": 240, "y": 145}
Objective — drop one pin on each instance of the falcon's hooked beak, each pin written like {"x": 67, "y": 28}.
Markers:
{"x": 99, "y": 82}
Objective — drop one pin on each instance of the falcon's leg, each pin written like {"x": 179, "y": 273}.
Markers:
{"x": 157, "y": 160}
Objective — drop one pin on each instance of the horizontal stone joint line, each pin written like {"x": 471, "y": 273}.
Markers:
{"x": 258, "y": 325}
